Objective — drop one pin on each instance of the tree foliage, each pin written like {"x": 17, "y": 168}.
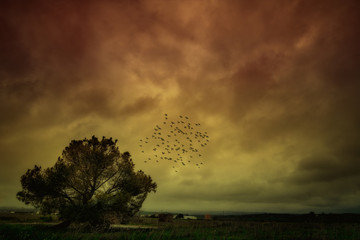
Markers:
{"x": 89, "y": 182}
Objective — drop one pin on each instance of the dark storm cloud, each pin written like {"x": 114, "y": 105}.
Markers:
{"x": 45, "y": 46}
{"x": 61, "y": 45}
{"x": 15, "y": 59}
{"x": 50, "y": 51}
{"x": 258, "y": 47}
{"x": 291, "y": 77}
{"x": 57, "y": 72}
{"x": 249, "y": 193}
{"x": 276, "y": 83}
{"x": 48, "y": 37}
{"x": 276, "y": 70}
{"x": 334, "y": 53}
{"x": 339, "y": 164}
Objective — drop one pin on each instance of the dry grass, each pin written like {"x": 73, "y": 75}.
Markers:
{"x": 191, "y": 229}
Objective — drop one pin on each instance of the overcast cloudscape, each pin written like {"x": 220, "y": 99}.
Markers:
{"x": 276, "y": 85}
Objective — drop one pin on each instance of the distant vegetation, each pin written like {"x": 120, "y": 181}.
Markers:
{"x": 91, "y": 184}
{"x": 249, "y": 227}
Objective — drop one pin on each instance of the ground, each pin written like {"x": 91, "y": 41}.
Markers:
{"x": 268, "y": 226}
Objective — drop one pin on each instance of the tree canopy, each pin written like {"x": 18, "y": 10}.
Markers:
{"x": 89, "y": 182}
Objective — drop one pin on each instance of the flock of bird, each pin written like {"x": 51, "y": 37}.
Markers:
{"x": 177, "y": 140}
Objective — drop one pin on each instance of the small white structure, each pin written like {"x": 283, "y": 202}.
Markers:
{"x": 190, "y": 217}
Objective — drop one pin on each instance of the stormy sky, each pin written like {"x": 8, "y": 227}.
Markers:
{"x": 276, "y": 85}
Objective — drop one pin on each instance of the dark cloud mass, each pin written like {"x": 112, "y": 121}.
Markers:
{"x": 274, "y": 83}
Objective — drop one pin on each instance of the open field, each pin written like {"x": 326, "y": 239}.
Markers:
{"x": 246, "y": 227}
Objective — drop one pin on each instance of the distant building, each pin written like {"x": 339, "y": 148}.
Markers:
{"x": 190, "y": 217}
{"x": 207, "y": 217}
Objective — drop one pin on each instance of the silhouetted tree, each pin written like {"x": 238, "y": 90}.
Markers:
{"x": 91, "y": 181}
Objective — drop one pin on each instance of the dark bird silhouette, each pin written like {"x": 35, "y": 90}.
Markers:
{"x": 189, "y": 139}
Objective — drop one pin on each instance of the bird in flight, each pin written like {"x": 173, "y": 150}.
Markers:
{"x": 181, "y": 138}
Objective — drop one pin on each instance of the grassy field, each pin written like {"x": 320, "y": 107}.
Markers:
{"x": 194, "y": 229}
